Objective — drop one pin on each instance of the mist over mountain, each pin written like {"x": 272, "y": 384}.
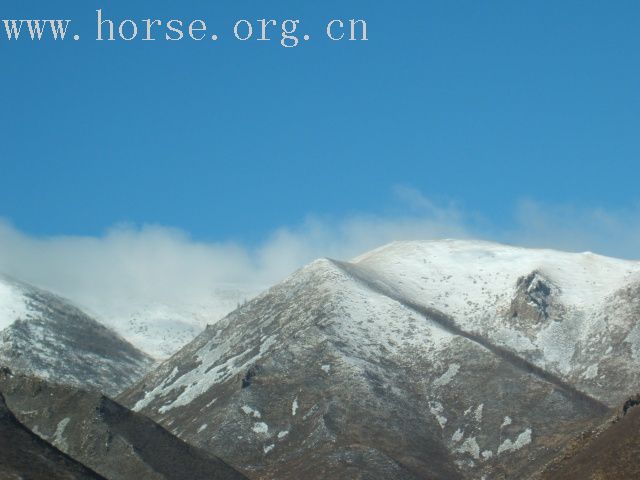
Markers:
{"x": 158, "y": 287}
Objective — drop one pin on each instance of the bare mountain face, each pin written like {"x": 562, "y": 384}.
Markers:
{"x": 24, "y": 455}
{"x": 105, "y": 436}
{"x": 420, "y": 360}
{"x": 609, "y": 451}
{"x": 49, "y": 337}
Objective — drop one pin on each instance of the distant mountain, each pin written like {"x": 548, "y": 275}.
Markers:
{"x": 105, "y": 436}
{"x": 440, "y": 360}
{"x": 24, "y": 455}
{"x": 161, "y": 329}
{"x": 47, "y": 336}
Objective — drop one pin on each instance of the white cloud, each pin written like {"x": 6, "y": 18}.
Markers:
{"x": 131, "y": 266}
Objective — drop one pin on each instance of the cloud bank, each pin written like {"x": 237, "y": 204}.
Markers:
{"x": 155, "y": 264}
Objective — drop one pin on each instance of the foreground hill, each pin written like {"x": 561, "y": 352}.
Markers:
{"x": 420, "y": 360}
{"x": 47, "y": 336}
{"x": 24, "y": 455}
{"x": 105, "y": 436}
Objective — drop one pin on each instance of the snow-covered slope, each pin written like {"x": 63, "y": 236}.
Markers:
{"x": 47, "y": 336}
{"x": 13, "y": 303}
{"x": 473, "y": 280}
{"x": 440, "y": 360}
{"x": 573, "y": 314}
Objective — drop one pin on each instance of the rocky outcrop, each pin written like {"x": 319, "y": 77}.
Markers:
{"x": 532, "y": 301}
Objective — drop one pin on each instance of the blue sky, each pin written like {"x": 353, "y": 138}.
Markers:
{"x": 483, "y": 104}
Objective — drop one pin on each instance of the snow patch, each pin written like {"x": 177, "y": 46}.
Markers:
{"x": 261, "y": 428}
{"x": 591, "y": 372}
{"x": 478, "y": 413}
{"x": 202, "y": 378}
{"x": 58, "y": 438}
{"x": 250, "y": 411}
{"x": 471, "y": 447}
{"x": 436, "y": 410}
{"x": 523, "y": 439}
{"x": 447, "y": 376}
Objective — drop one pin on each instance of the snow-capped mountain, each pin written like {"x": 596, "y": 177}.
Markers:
{"x": 47, "y": 336}
{"x": 447, "y": 359}
{"x": 574, "y": 315}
